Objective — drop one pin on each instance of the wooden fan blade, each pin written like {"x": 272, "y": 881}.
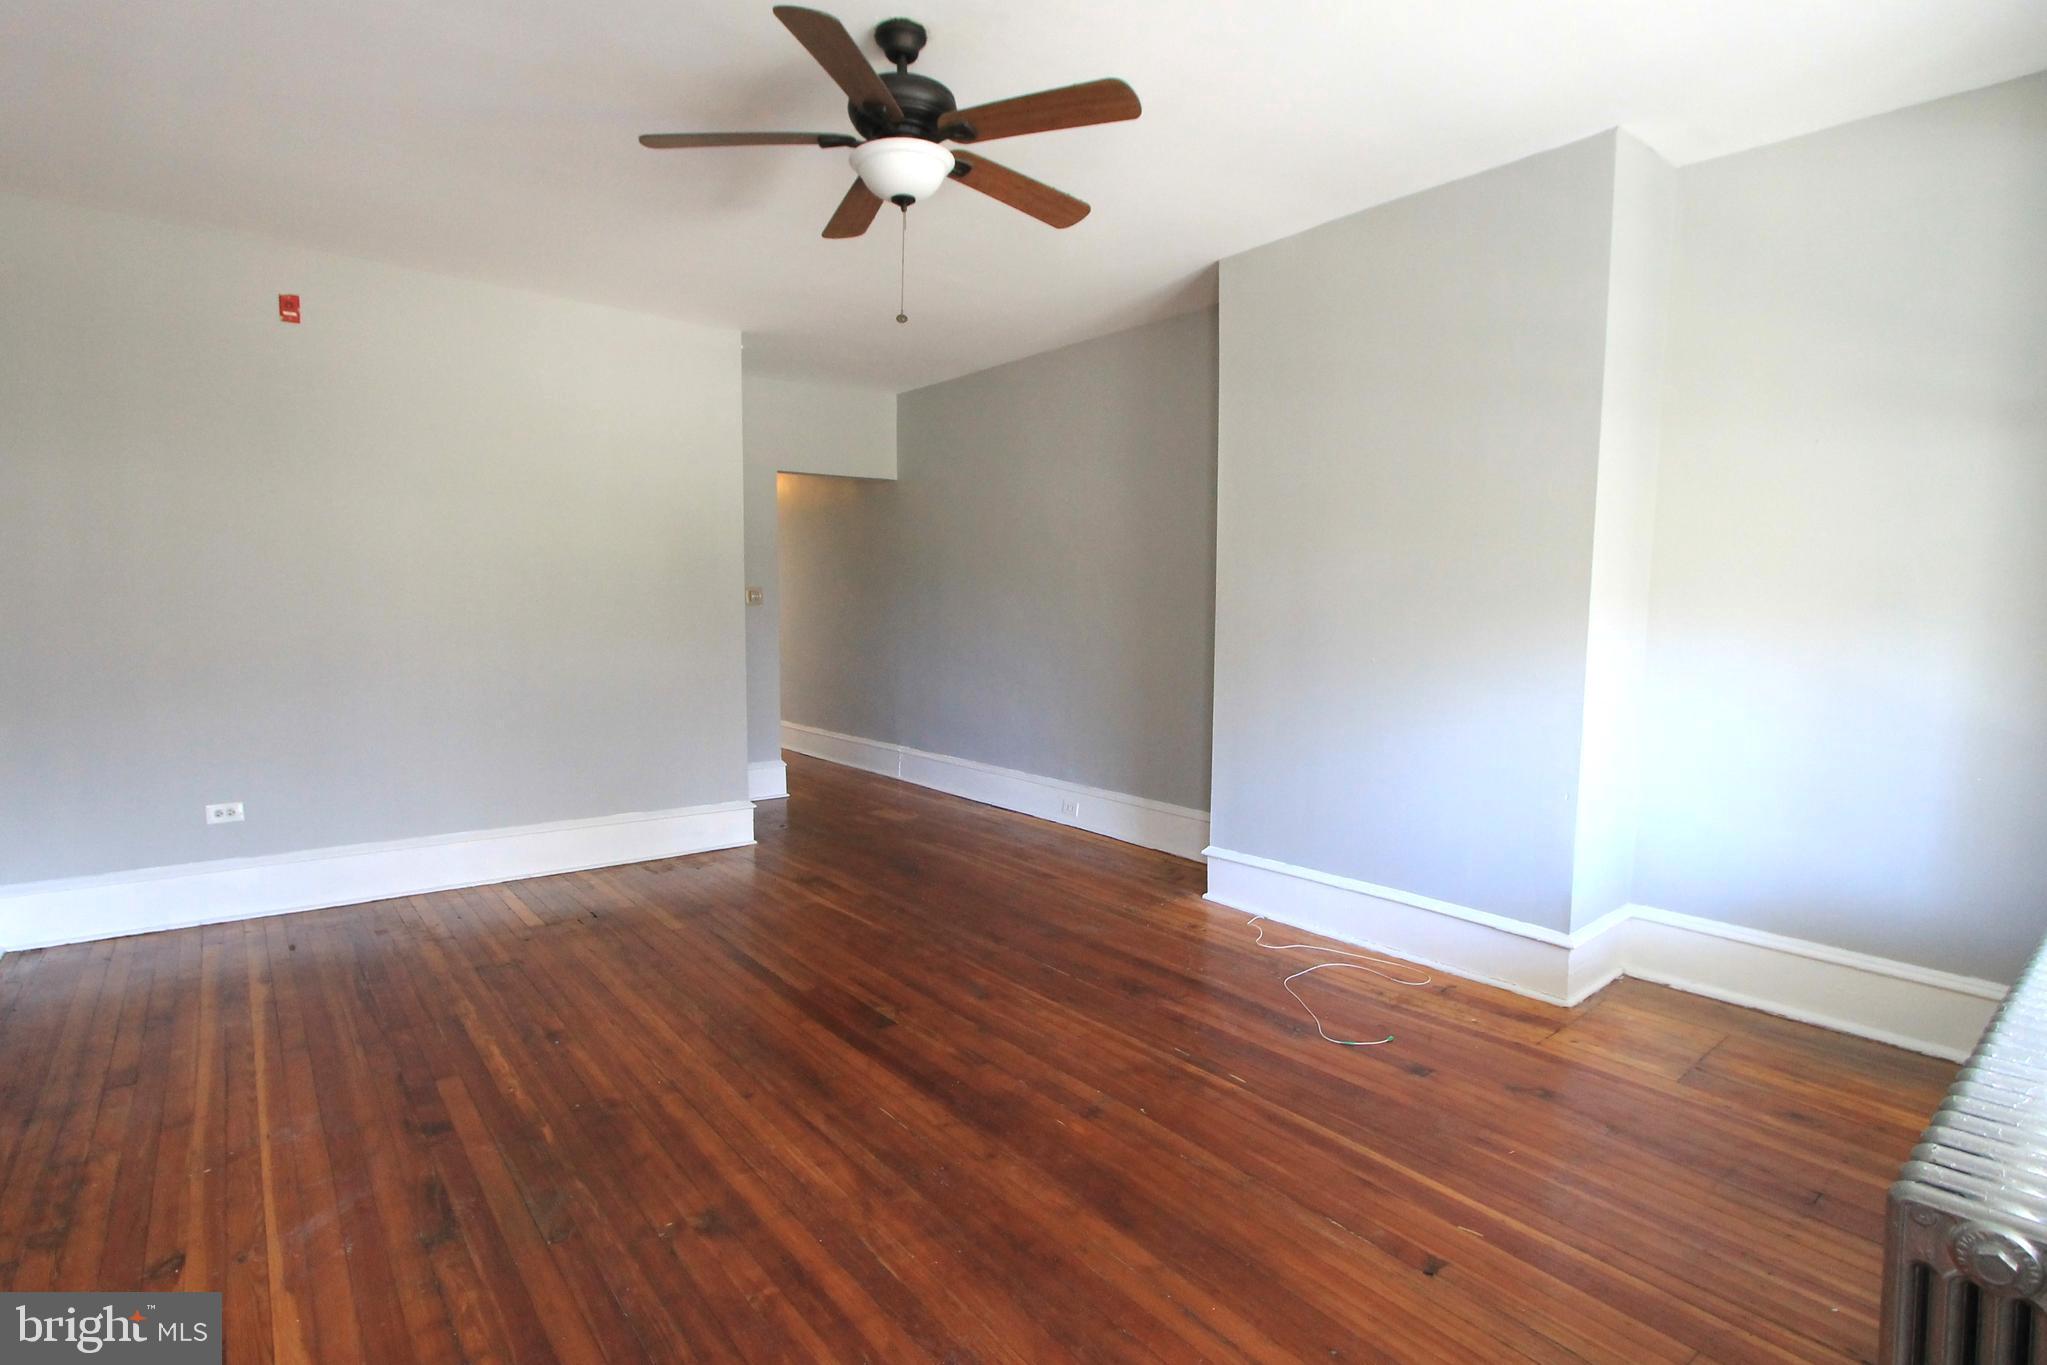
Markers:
{"x": 1072, "y": 106}
{"x": 1034, "y": 197}
{"x": 826, "y": 39}
{"x": 667, "y": 140}
{"x": 854, "y": 212}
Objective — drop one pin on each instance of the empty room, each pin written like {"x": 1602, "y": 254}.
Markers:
{"x": 1166, "y": 682}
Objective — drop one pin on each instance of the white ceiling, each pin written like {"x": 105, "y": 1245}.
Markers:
{"x": 494, "y": 138}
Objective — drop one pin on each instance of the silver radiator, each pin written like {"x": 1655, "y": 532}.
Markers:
{"x": 1965, "y": 1249}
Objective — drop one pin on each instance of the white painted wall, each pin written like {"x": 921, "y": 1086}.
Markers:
{"x": 445, "y": 557}
{"x": 808, "y": 428}
{"x": 1847, "y": 722}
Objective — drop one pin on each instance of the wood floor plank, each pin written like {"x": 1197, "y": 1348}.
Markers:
{"x": 918, "y": 1079}
{"x": 241, "y": 1216}
{"x": 1249, "y": 1065}
{"x": 165, "y": 1226}
{"x": 38, "y": 1184}
{"x": 885, "y": 954}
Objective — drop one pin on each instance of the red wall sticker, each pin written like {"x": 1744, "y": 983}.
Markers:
{"x": 287, "y": 308}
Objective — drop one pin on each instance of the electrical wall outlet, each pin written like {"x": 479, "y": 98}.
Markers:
{"x": 1069, "y": 807}
{"x": 223, "y": 812}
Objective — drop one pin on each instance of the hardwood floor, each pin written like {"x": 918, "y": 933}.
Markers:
{"x": 912, "y": 1079}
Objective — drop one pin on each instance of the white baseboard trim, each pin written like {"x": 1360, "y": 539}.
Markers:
{"x": 1597, "y": 961}
{"x": 1132, "y": 819}
{"x": 868, "y": 755}
{"x": 1908, "y": 1006}
{"x": 767, "y": 781}
{"x": 1521, "y": 957}
{"x": 80, "y": 909}
{"x": 1898, "y": 1003}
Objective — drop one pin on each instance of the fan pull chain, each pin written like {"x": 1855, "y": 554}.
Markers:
{"x": 903, "y": 269}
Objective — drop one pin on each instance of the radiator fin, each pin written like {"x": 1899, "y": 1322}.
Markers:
{"x": 1965, "y": 1248}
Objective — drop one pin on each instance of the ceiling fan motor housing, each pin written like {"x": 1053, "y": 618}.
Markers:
{"x": 922, "y": 101}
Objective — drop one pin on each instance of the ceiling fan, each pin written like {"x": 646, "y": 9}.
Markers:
{"x": 903, "y": 119}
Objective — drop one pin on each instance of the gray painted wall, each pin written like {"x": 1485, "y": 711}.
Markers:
{"x": 1623, "y": 528}
{"x": 1410, "y": 429}
{"x": 1036, "y": 590}
{"x": 842, "y": 587}
{"x": 450, "y": 557}
{"x": 445, "y": 557}
{"x": 809, "y": 428}
{"x": 1847, "y": 734}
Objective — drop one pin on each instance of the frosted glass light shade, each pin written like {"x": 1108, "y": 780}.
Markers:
{"x": 893, "y": 166}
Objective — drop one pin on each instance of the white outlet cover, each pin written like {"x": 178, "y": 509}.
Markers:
{"x": 1068, "y": 806}
{"x": 223, "y": 812}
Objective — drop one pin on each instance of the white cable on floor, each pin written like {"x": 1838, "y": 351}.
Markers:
{"x": 1358, "y": 966}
